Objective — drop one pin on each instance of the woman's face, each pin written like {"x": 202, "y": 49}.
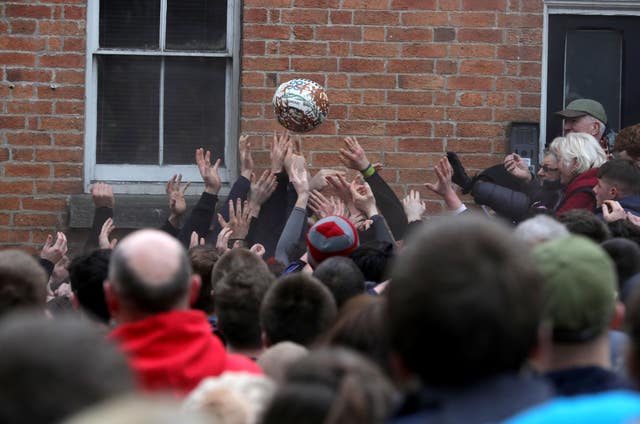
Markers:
{"x": 567, "y": 170}
{"x": 549, "y": 169}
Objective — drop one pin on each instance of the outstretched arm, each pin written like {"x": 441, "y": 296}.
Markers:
{"x": 104, "y": 202}
{"x": 443, "y": 186}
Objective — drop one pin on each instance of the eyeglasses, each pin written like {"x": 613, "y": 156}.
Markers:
{"x": 546, "y": 168}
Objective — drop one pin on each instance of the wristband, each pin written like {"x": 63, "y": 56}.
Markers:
{"x": 368, "y": 171}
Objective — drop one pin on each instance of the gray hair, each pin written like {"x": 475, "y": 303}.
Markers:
{"x": 582, "y": 147}
{"x": 539, "y": 229}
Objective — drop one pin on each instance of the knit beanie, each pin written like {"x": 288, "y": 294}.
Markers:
{"x": 331, "y": 236}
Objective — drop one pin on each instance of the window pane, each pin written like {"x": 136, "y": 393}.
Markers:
{"x": 196, "y": 24}
{"x": 130, "y": 23}
{"x": 595, "y": 77}
{"x": 194, "y": 108}
{"x": 128, "y": 110}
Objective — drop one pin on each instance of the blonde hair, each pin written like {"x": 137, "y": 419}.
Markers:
{"x": 582, "y": 147}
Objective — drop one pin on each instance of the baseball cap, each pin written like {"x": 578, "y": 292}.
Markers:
{"x": 331, "y": 236}
{"x": 581, "y": 107}
{"x": 580, "y": 287}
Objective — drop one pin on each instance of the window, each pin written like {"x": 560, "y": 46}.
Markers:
{"x": 590, "y": 52}
{"x": 162, "y": 80}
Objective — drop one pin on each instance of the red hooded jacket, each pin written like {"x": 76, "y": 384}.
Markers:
{"x": 579, "y": 193}
{"x": 175, "y": 350}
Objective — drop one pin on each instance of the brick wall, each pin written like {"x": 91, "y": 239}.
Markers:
{"x": 42, "y": 48}
{"x": 410, "y": 78}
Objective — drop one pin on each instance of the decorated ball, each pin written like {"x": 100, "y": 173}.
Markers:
{"x": 300, "y": 105}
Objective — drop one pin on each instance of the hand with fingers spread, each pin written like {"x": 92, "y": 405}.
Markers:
{"x": 210, "y": 176}
{"x": 177, "y": 202}
{"x": 320, "y": 205}
{"x": 246, "y": 160}
{"x": 261, "y": 190}
{"x": 102, "y": 195}
{"x": 105, "y": 233}
{"x": 612, "y": 211}
{"x": 343, "y": 190}
{"x": 195, "y": 240}
{"x": 443, "y": 185}
{"x": 413, "y": 206}
{"x": 299, "y": 178}
{"x": 353, "y": 156}
{"x": 222, "y": 242}
{"x": 363, "y": 198}
{"x": 319, "y": 180}
{"x": 360, "y": 221}
{"x": 239, "y": 219}
{"x": 54, "y": 251}
{"x": 517, "y": 167}
{"x": 279, "y": 148}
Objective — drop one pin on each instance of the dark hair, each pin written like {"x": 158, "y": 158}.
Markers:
{"x": 53, "y": 368}
{"x": 581, "y": 221}
{"x": 361, "y": 326}
{"x": 232, "y": 260}
{"x": 374, "y": 258}
{"x": 626, "y": 256}
{"x": 625, "y": 229}
{"x": 329, "y": 387}
{"x": 464, "y": 302}
{"x": 624, "y": 173}
{"x": 202, "y": 259}
{"x": 628, "y": 139}
{"x": 22, "y": 281}
{"x": 296, "y": 308}
{"x": 237, "y": 303}
{"x": 144, "y": 296}
{"x": 342, "y": 277}
{"x": 87, "y": 274}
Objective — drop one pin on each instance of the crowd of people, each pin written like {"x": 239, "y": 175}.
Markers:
{"x": 327, "y": 299}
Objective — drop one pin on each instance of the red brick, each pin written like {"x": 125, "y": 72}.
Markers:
{"x": 419, "y": 145}
{"x": 59, "y": 187}
{"x": 365, "y": 4}
{"x": 519, "y": 52}
{"x": 375, "y": 49}
{"x": 479, "y": 130}
{"x": 517, "y": 84}
{"x": 414, "y": 4}
{"x": 360, "y": 128}
{"x": 23, "y": 26}
{"x": 406, "y": 128}
{"x": 471, "y": 99}
{"x": 446, "y": 67}
{"x": 473, "y": 50}
{"x": 533, "y": 69}
{"x": 420, "y": 113}
{"x": 17, "y": 187}
{"x": 74, "y": 12}
{"x": 469, "y": 114}
{"x": 22, "y": 170}
{"x": 517, "y": 114}
{"x": 482, "y": 67}
{"x": 520, "y": 20}
{"x": 68, "y": 140}
{"x": 301, "y": 16}
{"x": 373, "y": 81}
{"x": 22, "y": 155}
{"x": 339, "y": 49}
{"x": 371, "y": 97}
{"x": 419, "y": 66}
{"x": 265, "y": 64}
{"x": 469, "y": 146}
{"x": 335, "y": 32}
{"x": 371, "y": 112}
{"x": 300, "y": 48}
{"x": 4, "y": 154}
{"x": 412, "y": 35}
{"x": 69, "y": 108}
{"x": 374, "y": 33}
{"x": 314, "y": 65}
{"x": 370, "y": 17}
{"x": 424, "y": 50}
{"x": 530, "y": 100}
{"x": 14, "y": 236}
{"x": 62, "y": 61}
{"x": 67, "y": 171}
{"x": 28, "y": 11}
{"x": 21, "y": 43}
{"x": 407, "y": 160}
{"x": 35, "y": 220}
{"x": 498, "y": 5}
{"x": 361, "y": 65}
{"x": 18, "y": 59}
{"x": 43, "y": 204}
{"x": 474, "y": 35}
{"x": 470, "y": 83}
{"x": 445, "y": 98}
{"x": 524, "y": 36}
{"x": 12, "y": 122}
{"x": 29, "y": 107}
{"x": 301, "y": 32}
{"x": 69, "y": 76}
{"x": 55, "y": 123}
{"x": 29, "y": 74}
{"x": 421, "y": 82}
{"x": 410, "y": 97}
{"x": 59, "y": 155}
{"x": 425, "y": 18}
{"x": 74, "y": 44}
{"x": 467, "y": 19}
{"x": 269, "y": 32}
{"x": 61, "y": 92}
{"x": 9, "y": 203}
{"x": 272, "y": 3}
{"x": 346, "y": 96}
{"x": 63, "y": 28}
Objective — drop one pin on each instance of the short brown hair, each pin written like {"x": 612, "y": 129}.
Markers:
{"x": 628, "y": 139}
{"x": 22, "y": 281}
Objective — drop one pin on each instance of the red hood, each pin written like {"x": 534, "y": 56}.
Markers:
{"x": 173, "y": 350}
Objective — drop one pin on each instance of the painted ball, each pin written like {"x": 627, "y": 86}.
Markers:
{"x": 300, "y": 105}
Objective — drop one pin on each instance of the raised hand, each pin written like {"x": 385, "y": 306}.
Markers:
{"x": 517, "y": 167}
{"x": 105, "y": 232}
{"x": 323, "y": 207}
{"x": 343, "y": 191}
{"x": 352, "y": 155}
{"x": 102, "y": 195}
{"x": 443, "y": 186}
{"x": 222, "y": 242}
{"x": 279, "y": 147}
{"x": 177, "y": 202}
{"x": 53, "y": 252}
{"x": 613, "y": 211}
{"x": 239, "y": 219}
{"x": 246, "y": 160}
{"x": 319, "y": 180}
{"x": 210, "y": 176}
{"x": 261, "y": 190}
{"x": 195, "y": 240}
{"x": 363, "y": 198}
{"x": 413, "y": 206}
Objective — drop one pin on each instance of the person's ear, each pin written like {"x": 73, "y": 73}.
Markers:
{"x": 613, "y": 192}
{"x": 194, "y": 289}
{"x": 111, "y": 298}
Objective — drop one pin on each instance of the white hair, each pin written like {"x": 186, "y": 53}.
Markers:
{"x": 539, "y": 229}
{"x": 581, "y": 147}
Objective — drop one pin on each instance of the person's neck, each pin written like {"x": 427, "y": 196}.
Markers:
{"x": 569, "y": 355}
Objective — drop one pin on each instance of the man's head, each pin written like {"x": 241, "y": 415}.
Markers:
{"x": 580, "y": 285}
{"x": 617, "y": 178}
{"x": 627, "y": 144}
{"x": 584, "y": 115}
{"x": 549, "y": 170}
{"x": 87, "y": 274}
{"x": 202, "y": 259}
{"x": 149, "y": 273}
{"x": 22, "y": 281}
{"x": 464, "y": 302}
{"x": 331, "y": 236}
{"x": 576, "y": 153}
{"x": 342, "y": 277}
{"x": 585, "y": 223}
{"x": 296, "y": 308}
{"x": 238, "y": 297}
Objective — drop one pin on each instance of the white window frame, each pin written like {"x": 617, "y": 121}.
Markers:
{"x": 151, "y": 179}
{"x": 574, "y": 7}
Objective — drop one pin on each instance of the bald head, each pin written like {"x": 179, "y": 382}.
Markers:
{"x": 150, "y": 272}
